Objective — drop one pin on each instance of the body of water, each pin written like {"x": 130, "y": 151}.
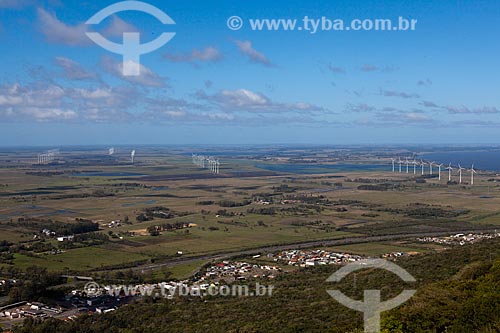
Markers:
{"x": 483, "y": 160}
{"x": 320, "y": 168}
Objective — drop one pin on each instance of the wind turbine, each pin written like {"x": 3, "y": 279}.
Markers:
{"x": 393, "y": 160}
{"x": 439, "y": 172}
{"x": 449, "y": 168}
{"x": 422, "y": 163}
{"x": 132, "y": 155}
{"x": 111, "y": 151}
{"x": 407, "y": 164}
{"x": 430, "y": 167}
{"x": 460, "y": 173}
{"x": 415, "y": 167}
{"x": 399, "y": 161}
{"x": 472, "y": 172}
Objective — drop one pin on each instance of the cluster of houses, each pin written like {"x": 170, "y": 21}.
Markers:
{"x": 100, "y": 303}
{"x": 11, "y": 281}
{"x": 224, "y": 272}
{"x": 69, "y": 238}
{"x": 51, "y": 234}
{"x": 396, "y": 255}
{"x": 262, "y": 202}
{"x": 459, "y": 239}
{"x": 231, "y": 271}
{"x": 25, "y": 309}
{"x": 304, "y": 258}
{"x": 48, "y": 233}
{"x": 114, "y": 223}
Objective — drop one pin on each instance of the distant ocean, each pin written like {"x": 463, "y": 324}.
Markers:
{"x": 483, "y": 160}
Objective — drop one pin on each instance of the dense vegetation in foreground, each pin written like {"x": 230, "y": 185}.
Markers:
{"x": 458, "y": 291}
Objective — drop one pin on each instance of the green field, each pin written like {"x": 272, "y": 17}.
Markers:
{"x": 244, "y": 207}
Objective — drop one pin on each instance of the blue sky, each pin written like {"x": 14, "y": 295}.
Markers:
{"x": 210, "y": 84}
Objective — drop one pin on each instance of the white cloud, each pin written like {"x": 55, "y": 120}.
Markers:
{"x": 369, "y": 68}
{"x": 426, "y": 82}
{"x": 146, "y": 78}
{"x": 253, "y": 55}
{"x": 59, "y": 32}
{"x": 42, "y": 102}
{"x": 117, "y": 27}
{"x": 404, "y": 118}
{"x": 208, "y": 54}
{"x": 465, "y": 110}
{"x": 73, "y": 70}
{"x": 360, "y": 107}
{"x": 40, "y": 95}
{"x": 242, "y": 98}
{"x": 392, "y": 93}
{"x": 462, "y": 109}
{"x": 249, "y": 101}
{"x": 47, "y": 114}
{"x": 429, "y": 104}
{"x": 336, "y": 69}
{"x": 175, "y": 114}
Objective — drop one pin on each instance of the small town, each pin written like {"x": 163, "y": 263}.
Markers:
{"x": 230, "y": 271}
{"x": 459, "y": 239}
{"x": 303, "y": 258}
{"x": 104, "y": 300}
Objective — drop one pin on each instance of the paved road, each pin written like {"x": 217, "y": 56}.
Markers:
{"x": 302, "y": 245}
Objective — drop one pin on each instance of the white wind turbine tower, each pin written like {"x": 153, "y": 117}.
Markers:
{"x": 460, "y": 173}
{"x": 407, "y": 165}
{"x": 393, "y": 167}
{"x": 422, "y": 163}
{"x": 399, "y": 162}
{"x": 132, "y": 155}
{"x": 430, "y": 167}
{"x": 439, "y": 170}
{"x": 472, "y": 172}
{"x": 414, "y": 167}
{"x": 111, "y": 151}
{"x": 449, "y": 168}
